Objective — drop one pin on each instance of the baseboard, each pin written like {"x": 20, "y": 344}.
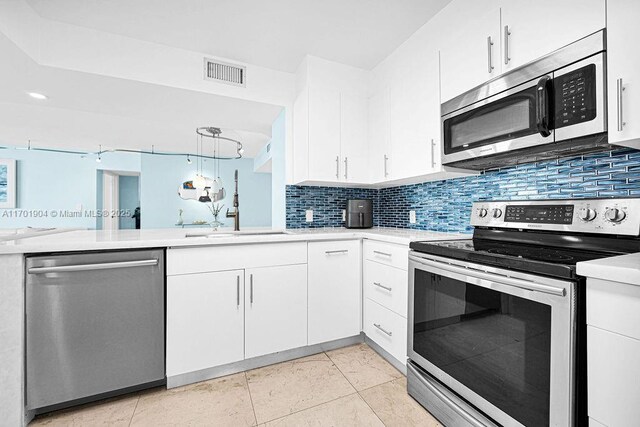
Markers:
{"x": 402, "y": 367}
{"x": 258, "y": 362}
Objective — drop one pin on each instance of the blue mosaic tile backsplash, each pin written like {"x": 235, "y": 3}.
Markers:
{"x": 446, "y": 205}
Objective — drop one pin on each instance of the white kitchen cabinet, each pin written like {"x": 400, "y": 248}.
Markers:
{"x": 330, "y": 121}
{"x": 205, "y": 320}
{"x": 354, "y": 150}
{"x": 275, "y": 309}
{"x": 623, "y": 72}
{"x": 388, "y": 286}
{"x": 386, "y": 328}
{"x": 335, "y": 295}
{"x": 378, "y": 136}
{"x": 324, "y": 134}
{"x": 613, "y": 341}
{"x": 470, "y": 51}
{"x": 415, "y": 116}
{"x": 534, "y": 33}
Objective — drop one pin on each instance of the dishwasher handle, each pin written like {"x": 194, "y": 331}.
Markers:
{"x": 91, "y": 267}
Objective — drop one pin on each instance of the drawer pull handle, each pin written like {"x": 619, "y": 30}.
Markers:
{"x": 389, "y": 333}
{"x": 382, "y": 253}
{"x": 387, "y": 288}
{"x": 343, "y": 251}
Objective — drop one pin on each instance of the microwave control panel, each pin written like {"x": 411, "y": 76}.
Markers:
{"x": 575, "y": 96}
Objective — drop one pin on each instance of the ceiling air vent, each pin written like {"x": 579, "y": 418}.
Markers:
{"x": 225, "y": 73}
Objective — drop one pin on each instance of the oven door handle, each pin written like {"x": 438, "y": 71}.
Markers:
{"x": 498, "y": 278}
{"x": 543, "y": 107}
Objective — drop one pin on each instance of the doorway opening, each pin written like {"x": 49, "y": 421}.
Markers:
{"x": 118, "y": 200}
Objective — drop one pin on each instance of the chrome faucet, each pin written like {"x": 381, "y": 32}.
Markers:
{"x": 236, "y": 214}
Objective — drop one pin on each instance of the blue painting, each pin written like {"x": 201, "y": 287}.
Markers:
{"x": 4, "y": 183}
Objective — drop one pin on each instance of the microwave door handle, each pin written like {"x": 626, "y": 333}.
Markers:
{"x": 543, "y": 109}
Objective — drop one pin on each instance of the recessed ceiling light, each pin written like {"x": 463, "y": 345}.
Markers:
{"x": 37, "y": 95}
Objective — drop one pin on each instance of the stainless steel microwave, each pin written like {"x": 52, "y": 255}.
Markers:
{"x": 550, "y": 107}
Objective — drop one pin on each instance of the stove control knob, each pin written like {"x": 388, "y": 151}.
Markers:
{"x": 614, "y": 215}
{"x": 587, "y": 214}
{"x": 497, "y": 213}
{"x": 482, "y": 213}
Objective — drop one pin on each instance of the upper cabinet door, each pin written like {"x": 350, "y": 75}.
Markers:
{"x": 378, "y": 136}
{"x": 353, "y": 138}
{"x": 414, "y": 115}
{"x": 623, "y": 72}
{"x": 470, "y": 52}
{"x": 533, "y": 29}
{"x": 324, "y": 134}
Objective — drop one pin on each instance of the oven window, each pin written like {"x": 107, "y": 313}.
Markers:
{"x": 496, "y": 344}
{"x": 511, "y": 117}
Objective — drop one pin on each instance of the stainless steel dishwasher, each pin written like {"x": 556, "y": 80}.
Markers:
{"x": 95, "y": 326}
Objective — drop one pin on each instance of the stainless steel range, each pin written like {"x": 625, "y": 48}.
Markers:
{"x": 497, "y": 331}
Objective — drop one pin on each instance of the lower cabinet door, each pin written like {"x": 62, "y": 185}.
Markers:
{"x": 386, "y": 328}
{"x": 334, "y": 290}
{"x": 276, "y": 309}
{"x": 205, "y": 320}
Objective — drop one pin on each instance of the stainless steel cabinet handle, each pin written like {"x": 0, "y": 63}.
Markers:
{"x": 377, "y": 325}
{"x": 621, "y": 122}
{"x": 346, "y": 166}
{"x": 507, "y": 34}
{"x": 385, "y": 166}
{"x": 489, "y": 49}
{"x": 238, "y": 291}
{"x": 433, "y": 154}
{"x": 251, "y": 288}
{"x": 90, "y": 267}
{"x": 337, "y": 167}
{"x": 387, "y": 288}
{"x": 342, "y": 251}
{"x": 382, "y": 253}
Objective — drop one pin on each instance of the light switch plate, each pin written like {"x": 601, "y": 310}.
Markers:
{"x": 344, "y": 215}
{"x": 309, "y": 215}
{"x": 412, "y": 217}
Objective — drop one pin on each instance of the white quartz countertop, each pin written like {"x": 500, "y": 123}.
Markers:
{"x": 622, "y": 268}
{"x": 84, "y": 240}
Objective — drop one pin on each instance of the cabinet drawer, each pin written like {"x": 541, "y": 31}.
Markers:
{"x": 203, "y": 259}
{"x": 387, "y": 253}
{"x": 613, "y": 372}
{"x": 386, "y": 328}
{"x": 614, "y": 307}
{"x": 387, "y": 286}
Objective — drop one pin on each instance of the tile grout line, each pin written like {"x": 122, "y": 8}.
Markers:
{"x": 357, "y": 391}
{"x": 253, "y": 407}
{"x": 319, "y": 404}
{"x": 369, "y": 406}
{"x": 133, "y": 414}
{"x": 311, "y": 407}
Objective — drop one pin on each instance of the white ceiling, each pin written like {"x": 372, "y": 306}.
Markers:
{"x": 271, "y": 33}
{"x": 86, "y": 110}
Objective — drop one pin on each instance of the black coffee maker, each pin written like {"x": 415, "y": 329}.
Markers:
{"x": 359, "y": 213}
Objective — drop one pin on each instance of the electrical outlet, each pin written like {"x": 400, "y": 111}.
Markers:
{"x": 309, "y": 215}
{"x": 412, "y": 217}
{"x": 344, "y": 215}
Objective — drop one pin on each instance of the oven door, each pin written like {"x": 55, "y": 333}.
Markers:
{"x": 502, "y": 340}
{"x": 518, "y": 118}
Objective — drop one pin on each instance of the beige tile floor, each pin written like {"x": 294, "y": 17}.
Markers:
{"x": 351, "y": 386}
